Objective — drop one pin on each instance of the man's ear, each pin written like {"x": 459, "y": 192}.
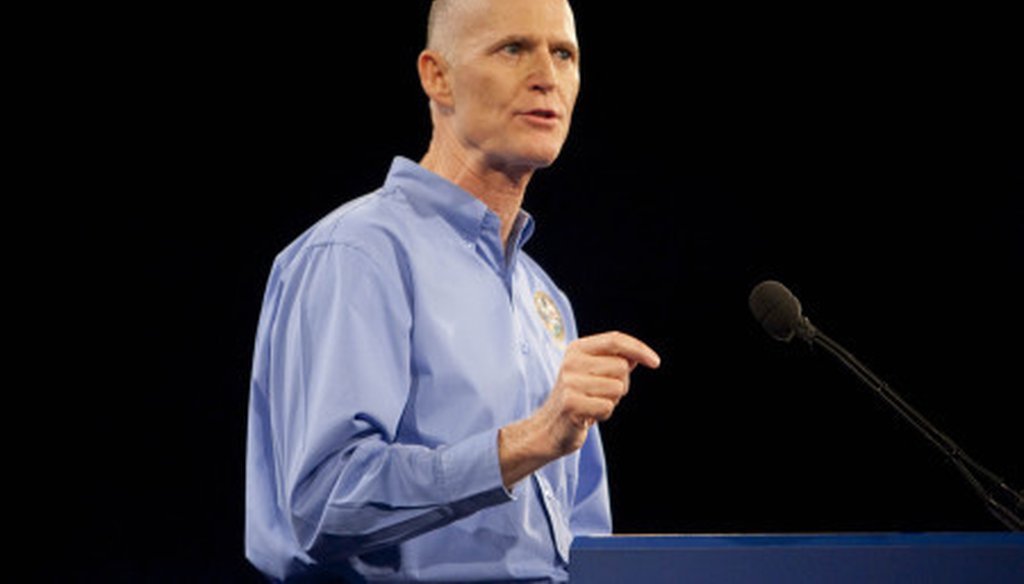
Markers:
{"x": 434, "y": 78}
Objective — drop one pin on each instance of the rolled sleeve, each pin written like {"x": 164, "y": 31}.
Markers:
{"x": 471, "y": 472}
{"x": 467, "y": 480}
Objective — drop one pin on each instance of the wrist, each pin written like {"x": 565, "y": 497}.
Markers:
{"x": 523, "y": 447}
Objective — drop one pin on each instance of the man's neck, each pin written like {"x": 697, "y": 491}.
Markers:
{"x": 501, "y": 190}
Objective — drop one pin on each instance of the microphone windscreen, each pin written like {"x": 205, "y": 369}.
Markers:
{"x": 775, "y": 307}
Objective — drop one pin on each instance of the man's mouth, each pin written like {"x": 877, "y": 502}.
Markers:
{"x": 542, "y": 113}
{"x": 541, "y": 118}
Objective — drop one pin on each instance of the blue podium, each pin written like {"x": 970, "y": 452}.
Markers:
{"x": 793, "y": 558}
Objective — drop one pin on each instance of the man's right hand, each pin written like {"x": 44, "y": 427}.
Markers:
{"x": 593, "y": 378}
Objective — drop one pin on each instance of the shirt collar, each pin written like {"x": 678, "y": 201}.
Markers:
{"x": 465, "y": 213}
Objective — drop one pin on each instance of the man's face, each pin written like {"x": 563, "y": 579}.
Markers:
{"x": 515, "y": 78}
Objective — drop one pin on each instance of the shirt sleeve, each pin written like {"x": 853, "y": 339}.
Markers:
{"x": 339, "y": 381}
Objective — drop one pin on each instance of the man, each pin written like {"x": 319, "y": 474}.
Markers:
{"x": 421, "y": 408}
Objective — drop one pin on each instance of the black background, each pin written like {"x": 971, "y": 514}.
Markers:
{"x": 870, "y": 160}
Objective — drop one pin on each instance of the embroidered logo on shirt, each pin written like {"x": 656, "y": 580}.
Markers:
{"x": 550, "y": 316}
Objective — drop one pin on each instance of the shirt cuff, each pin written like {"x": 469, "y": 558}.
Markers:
{"x": 471, "y": 473}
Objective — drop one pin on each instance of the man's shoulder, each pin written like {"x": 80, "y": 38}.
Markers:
{"x": 360, "y": 220}
{"x": 368, "y": 223}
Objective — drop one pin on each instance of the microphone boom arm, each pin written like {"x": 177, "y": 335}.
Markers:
{"x": 960, "y": 459}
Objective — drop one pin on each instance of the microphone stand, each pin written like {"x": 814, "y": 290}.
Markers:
{"x": 968, "y": 467}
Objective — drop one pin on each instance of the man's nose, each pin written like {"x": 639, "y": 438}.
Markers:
{"x": 542, "y": 77}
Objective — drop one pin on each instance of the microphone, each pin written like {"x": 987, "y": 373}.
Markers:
{"x": 780, "y": 313}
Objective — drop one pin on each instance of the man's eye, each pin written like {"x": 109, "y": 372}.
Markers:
{"x": 564, "y": 54}
{"x": 513, "y": 48}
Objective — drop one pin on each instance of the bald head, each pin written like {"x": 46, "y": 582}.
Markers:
{"x": 443, "y": 25}
{"x": 447, "y": 22}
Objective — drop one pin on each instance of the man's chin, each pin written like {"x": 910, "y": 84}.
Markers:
{"x": 545, "y": 156}
{"x": 529, "y": 161}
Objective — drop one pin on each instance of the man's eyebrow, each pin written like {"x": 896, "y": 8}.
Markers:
{"x": 567, "y": 45}
{"x": 534, "y": 40}
{"x": 514, "y": 38}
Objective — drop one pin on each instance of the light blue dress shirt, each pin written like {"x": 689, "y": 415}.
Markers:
{"x": 396, "y": 337}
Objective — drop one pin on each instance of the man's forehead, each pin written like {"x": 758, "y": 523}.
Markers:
{"x": 533, "y": 19}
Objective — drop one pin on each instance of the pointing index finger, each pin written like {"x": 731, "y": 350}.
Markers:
{"x": 621, "y": 345}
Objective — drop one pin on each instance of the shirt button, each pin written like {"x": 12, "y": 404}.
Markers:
{"x": 524, "y": 347}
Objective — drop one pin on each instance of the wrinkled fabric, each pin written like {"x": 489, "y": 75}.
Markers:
{"x": 396, "y": 337}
